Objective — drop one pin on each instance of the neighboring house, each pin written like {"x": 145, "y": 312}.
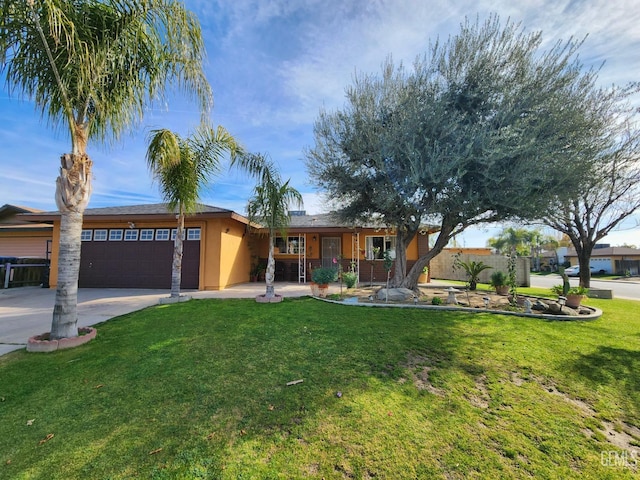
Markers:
{"x": 613, "y": 260}
{"x": 22, "y": 238}
{"x": 132, "y": 247}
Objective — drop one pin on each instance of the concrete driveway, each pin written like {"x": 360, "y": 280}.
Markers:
{"x": 27, "y": 311}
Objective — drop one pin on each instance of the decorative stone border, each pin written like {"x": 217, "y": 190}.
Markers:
{"x": 596, "y": 312}
{"x": 41, "y": 343}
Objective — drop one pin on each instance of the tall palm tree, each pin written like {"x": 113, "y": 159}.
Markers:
{"x": 183, "y": 167}
{"x": 269, "y": 205}
{"x": 92, "y": 68}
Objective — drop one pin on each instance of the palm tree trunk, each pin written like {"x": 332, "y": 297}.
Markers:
{"x": 271, "y": 271}
{"x": 73, "y": 189}
{"x": 176, "y": 269}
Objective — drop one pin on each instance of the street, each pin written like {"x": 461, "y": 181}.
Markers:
{"x": 629, "y": 289}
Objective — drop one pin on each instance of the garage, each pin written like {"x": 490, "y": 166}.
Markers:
{"x": 136, "y": 258}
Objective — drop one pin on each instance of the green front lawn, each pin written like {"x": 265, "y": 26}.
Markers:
{"x": 198, "y": 390}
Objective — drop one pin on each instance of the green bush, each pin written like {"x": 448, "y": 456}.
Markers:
{"x": 324, "y": 275}
{"x": 498, "y": 279}
{"x": 436, "y": 301}
{"x": 350, "y": 279}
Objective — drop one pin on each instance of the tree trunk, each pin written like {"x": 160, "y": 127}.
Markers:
{"x": 410, "y": 281}
{"x": 583, "y": 247}
{"x": 73, "y": 189}
{"x": 271, "y": 271}
{"x": 584, "y": 260}
{"x": 400, "y": 273}
{"x": 176, "y": 268}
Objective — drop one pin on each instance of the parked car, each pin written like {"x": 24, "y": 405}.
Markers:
{"x": 574, "y": 271}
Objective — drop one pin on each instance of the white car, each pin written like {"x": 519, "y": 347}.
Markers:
{"x": 574, "y": 271}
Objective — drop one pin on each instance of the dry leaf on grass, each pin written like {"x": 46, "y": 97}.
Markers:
{"x": 46, "y": 439}
{"x": 30, "y": 422}
{"x": 157, "y": 450}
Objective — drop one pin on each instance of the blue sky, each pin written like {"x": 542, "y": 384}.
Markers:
{"x": 274, "y": 63}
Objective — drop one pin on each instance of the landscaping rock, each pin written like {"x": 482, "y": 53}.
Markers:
{"x": 395, "y": 294}
{"x": 569, "y": 312}
{"x": 540, "y": 306}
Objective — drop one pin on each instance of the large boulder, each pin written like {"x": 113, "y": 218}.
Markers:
{"x": 395, "y": 294}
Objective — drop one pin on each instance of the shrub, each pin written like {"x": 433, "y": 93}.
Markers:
{"x": 324, "y": 275}
{"x": 498, "y": 279}
{"x": 350, "y": 279}
{"x": 436, "y": 301}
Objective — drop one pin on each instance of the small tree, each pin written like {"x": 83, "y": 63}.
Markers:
{"x": 611, "y": 193}
{"x": 183, "y": 167}
{"x": 269, "y": 205}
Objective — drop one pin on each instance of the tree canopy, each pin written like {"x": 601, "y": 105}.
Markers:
{"x": 611, "y": 191}
{"x": 480, "y": 130}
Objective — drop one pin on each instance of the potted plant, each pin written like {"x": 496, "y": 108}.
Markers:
{"x": 574, "y": 295}
{"x": 257, "y": 270}
{"x": 424, "y": 276}
{"x": 321, "y": 277}
{"x": 500, "y": 282}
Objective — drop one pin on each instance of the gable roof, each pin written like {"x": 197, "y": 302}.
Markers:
{"x": 8, "y": 213}
{"x": 11, "y": 219}
{"x": 148, "y": 211}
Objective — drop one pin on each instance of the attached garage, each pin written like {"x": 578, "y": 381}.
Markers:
{"x": 132, "y": 247}
{"x": 125, "y": 259}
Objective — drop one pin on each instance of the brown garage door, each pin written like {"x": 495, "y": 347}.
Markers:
{"x": 135, "y": 263}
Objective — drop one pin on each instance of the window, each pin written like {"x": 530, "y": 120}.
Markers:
{"x": 131, "y": 235}
{"x": 115, "y": 235}
{"x": 86, "y": 235}
{"x": 377, "y": 245}
{"x": 193, "y": 234}
{"x": 99, "y": 235}
{"x": 174, "y": 232}
{"x": 162, "y": 234}
{"x": 146, "y": 234}
{"x": 292, "y": 245}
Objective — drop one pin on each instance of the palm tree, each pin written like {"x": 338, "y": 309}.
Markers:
{"x": 269, "y": 204}
{"x": 183, "y": 167}
{"x": 92, "y": 68}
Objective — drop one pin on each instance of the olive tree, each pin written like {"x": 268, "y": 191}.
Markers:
{"x": 479, "y": 130}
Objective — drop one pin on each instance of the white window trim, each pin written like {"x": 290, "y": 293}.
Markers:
{"x": 99, "y": 232}
{"x": 113, "y": 232}
{"x": 86, "y": 233}
{"x": 162, "y": 232}
{"x": 147, "y": 230}
{"x": 129, "y": 232}
{"x": 191, "y": 234}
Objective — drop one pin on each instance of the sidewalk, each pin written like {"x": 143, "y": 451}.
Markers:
{"x": 27, "y": 311}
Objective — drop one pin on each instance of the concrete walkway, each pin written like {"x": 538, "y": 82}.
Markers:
{"x": 27, "y": 311}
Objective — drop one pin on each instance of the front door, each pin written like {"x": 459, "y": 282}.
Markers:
{"x": 331, "y": 249}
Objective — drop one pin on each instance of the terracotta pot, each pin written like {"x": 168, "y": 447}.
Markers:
{"x": 573, "y": 301}
{"x": 502, "y": 290}
{"x": 322, "y": 290}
